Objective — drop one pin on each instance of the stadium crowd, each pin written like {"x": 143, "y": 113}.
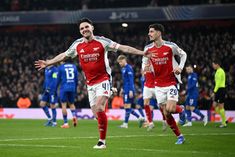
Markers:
{"x": 26, "y": 5}
{"x": 19, "y": 49}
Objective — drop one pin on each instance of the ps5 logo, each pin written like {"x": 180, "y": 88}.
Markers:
{"x": 123, "y": 15}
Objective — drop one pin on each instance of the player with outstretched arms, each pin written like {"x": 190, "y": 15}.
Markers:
{"x": 92, "y": 53}
{"x": 167, "y": 75}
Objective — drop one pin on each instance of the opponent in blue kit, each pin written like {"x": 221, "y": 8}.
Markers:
{"x": 49, "y": 95}
{"x": 192, "y": 97}
{"x": 67, "y": 80}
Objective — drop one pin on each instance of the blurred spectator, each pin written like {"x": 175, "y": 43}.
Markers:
{"x": 15, "y": 5}
{"x": 117, "y": 101}
{"x": 23, "y": 102}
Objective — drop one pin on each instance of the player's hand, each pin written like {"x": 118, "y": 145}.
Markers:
{"x": 147, "y": 68}
{"x": 131, "y": 94}
{"x": 114, "y": 90}
{"x": 40, "y": 64}
{"x": 148, "y": 54}
{"x": 177, "y": 70}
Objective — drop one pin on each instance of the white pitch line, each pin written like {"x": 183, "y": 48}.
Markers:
{"x": 38, "y": 146}
{"x": 122, "y": 149}
{"x": 174, "y": 151}
{"x": 118, "y": 136}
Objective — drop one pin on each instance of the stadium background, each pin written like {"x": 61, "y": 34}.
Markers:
{"x": 34, "y": 29}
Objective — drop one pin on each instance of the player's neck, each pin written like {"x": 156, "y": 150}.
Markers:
{"x": 89, "y": 39}
{"x": 158, "y": 43}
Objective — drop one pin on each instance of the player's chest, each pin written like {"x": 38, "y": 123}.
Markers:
{"x": 161, "y": 55}
{"x": 90, "y": 52}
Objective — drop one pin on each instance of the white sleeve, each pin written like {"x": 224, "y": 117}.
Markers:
{"x": 109, "y": 44}
{"x": 181, "y": 53}
{"x": 71, "y": 52}
{"x": 145, "y": 61}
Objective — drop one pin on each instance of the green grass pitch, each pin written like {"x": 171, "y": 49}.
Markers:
{"x": 29, "y": 138}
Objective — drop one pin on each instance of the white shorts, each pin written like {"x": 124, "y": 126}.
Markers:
{"x": 166, "y": 93}
{"x": 148, "y": 93}
{"x": 100, "y": 89}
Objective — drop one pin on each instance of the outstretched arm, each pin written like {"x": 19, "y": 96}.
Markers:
{"x": 40, "y": 64}
{"x": 131, "y": 50}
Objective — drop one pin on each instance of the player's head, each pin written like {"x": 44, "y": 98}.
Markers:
{"x": 156, "y": 31}
{"x": 86, "y": 27}
{"x": 122, "y": 60}
{"x": 216, "y": 64}
{"x": 189, "y": 69}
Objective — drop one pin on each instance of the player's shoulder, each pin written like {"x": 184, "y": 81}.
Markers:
{"x": 194, "y": 75}
{"x": 170, "y": 43}
{"x": 78, "y": 41}
{"x": 128, "y": 66}
{"x": 102, "y": 39}
{"x": 149, "y": 45}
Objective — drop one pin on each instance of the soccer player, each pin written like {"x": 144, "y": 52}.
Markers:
{"x": 128, "y": 91}
{"x": 219, "y": 91}
{"x": 67, "y": 79}
{"x": 149, "y": 94}
{"x": 192, "y": 97}
{"x": 92, "y": 55}
{"x": 49, "y": 95}
{"x": 167, "y": 75}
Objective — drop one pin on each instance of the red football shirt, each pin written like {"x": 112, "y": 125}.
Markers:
{"x": 93, "y": 58}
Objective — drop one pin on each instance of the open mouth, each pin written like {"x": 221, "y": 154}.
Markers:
{"x": 86, "y": 32}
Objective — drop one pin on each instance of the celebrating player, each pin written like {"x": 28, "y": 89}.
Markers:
{"x": 92, "y": 55}
{"x": 128, "y": 91}
{"x": 68, "y": 78}
{"x": 167, "y": 74}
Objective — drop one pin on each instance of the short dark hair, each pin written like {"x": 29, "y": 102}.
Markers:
{"x": 216, "y": 61}
{"x": 158, "y": 27}
{"x": 69, "y": 60}
{"x": 85, "y": 20}
{"x": 189, "y": 65}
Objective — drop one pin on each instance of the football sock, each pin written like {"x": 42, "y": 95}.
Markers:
{"x": 102, "y": 124}
{"x": 65, "y": 118}
{"x": 152, "y": 114}
{"x": 127, "y": 114}
{"x": 135, "y": 114}
{"x": 141, "y": 111}
{"x": 178, "y": 109}
{"x": 198, "y": 112}
{"x": 223, "y": 117}
{"x": 54, "y": 113}
{"x": 46, "y": 111}
{"x": 148, "y": 113}
{"x": 171, "y": 122}
{"x": 73, "y": 113}
{"x": 189, "y": 115}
